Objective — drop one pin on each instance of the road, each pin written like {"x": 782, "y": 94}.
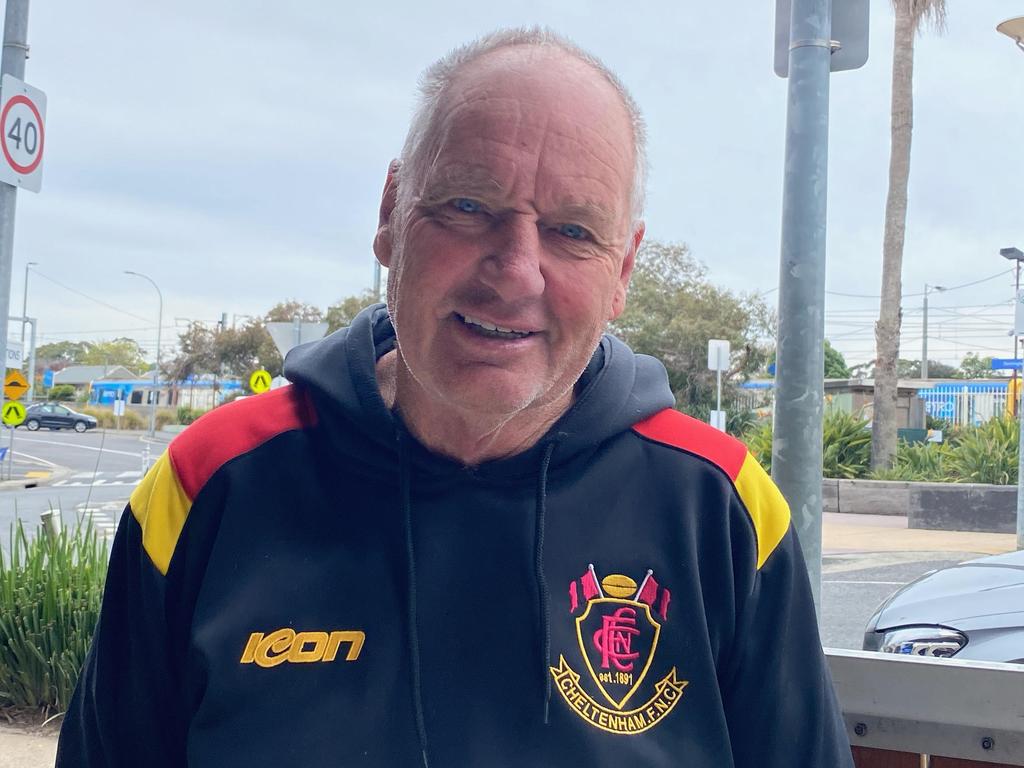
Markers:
{"x": 104, "y": 469}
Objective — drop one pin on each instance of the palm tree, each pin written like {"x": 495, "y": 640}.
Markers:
{"x": 910, "y": 15}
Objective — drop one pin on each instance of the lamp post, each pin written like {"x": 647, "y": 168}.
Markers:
{"x": 156, "y": 370}
{"x": 924, "y": 329}
{"x": 1013, "y": 29}
{"x": 1015, "y": 254}
{"x": 24, "y": 303}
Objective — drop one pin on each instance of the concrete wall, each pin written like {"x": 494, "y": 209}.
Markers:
{"x": 935, "y": 506}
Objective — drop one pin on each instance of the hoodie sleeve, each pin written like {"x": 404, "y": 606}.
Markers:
{"x": 127, "y": 709}
{"x": 780, "y": 705}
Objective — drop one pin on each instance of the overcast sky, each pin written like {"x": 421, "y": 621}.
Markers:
{"x": 234, "y": 152}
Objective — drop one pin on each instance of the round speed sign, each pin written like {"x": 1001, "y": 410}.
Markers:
{"x": 23, "y": 134}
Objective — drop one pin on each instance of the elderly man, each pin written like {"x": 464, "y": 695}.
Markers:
{"x": 473, "y": 532}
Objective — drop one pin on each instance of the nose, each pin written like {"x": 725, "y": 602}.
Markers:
{"x": 513, "y": 268}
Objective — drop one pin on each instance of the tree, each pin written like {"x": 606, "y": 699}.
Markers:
{"x": 911, "y": 369}
{"x": 123, "y": 351}
{"x": 835, "y": 363}
{"x": 910, "y": 15}
{"x": 974, "y": 367}
{"x": 673, "y": 310}
{"x": 340, "y": 315}
{"x": 287, "y": 311}
{"x": 61, "y": 354}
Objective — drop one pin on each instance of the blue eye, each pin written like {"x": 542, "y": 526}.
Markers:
{"x": 574, "y": 231}
{"x": 466, "y": 205}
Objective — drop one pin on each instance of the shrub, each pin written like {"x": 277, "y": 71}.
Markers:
{"x": 107, "y": 420}
{"x": 986, "y": 454}
{"x": 187, "y": 415}
{"x": 50, "y": 590}
{"x": 847, "y": 445}
{"x": 918, "y": 462}
{"x": 61, "y": 392}
{"x": 759, "y": 443}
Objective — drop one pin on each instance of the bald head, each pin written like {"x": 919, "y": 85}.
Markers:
{"x": 549, "y": 64}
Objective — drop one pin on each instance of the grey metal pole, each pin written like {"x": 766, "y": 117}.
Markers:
{"x": 156, "y": 370}
{"x": 799, "y": 380}
{"x": 924, "y": 337}
{"x": 1020, "y": 471}
{"x": 15, "y": 51}
{"x": 376, "y": 280}
{"x": 32, "y": 360}
{"x": 24, "y": 304}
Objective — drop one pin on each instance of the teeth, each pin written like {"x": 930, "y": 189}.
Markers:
{"x": 493, "y": 328}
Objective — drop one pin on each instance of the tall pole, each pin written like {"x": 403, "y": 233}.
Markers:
{"x": 924, "y": 337}
{"x": 156, "y": 370}
{"x": 15, "y": 51}
{"x": 1013, "y": 382}
{"x": 32, "y": 361}
{"x": 376, "y": 281}
{"x": 799, "y": 380}
{"x": 24, "y": 303}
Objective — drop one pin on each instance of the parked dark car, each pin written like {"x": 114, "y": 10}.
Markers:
{"x": 973, "y": 610}
{"x": 56, "y": 416}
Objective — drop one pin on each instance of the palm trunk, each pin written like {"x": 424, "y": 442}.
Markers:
{"x": 887, "y": 330}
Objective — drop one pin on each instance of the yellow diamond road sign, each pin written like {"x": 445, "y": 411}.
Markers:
{"x": 13, "y": 413}
{"x": 259, "y": 381}
{"x": 15, "y": 385}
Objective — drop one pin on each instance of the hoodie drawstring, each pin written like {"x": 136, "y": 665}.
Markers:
{"x": 544, "y": 597}
{"x": 413, "y": 631}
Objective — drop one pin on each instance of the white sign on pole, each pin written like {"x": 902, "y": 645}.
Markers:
{"x": 15, "y": 354}
{"x": 119, "y": 407}
{"x": 717, "y": 420}
{"x": 287, "y": 336}
{"x": 718, "y": 355}
{"x": 22, "y": 123}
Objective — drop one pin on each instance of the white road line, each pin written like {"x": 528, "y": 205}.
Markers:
{"x": 879, "y": 583}
{"x": 81, "y": 475}
{"x": 83, "y": 447}
{"x": 130, "y": 473}
{"x": 44, "y": 462}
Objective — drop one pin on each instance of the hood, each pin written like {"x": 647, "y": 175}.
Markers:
{"x": 987, "y": 592}
{"x": 617, "y": 389}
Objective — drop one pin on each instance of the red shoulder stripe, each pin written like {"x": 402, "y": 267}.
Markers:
{"x": 670, "y": 427}
{"x": 234, "y": 429}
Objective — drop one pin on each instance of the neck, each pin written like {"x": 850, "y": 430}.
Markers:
{"x": 466, "y": 436}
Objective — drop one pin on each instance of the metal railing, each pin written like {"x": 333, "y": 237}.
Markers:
{"x": 931, "y": 711}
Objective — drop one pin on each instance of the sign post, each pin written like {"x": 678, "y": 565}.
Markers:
{"x": 718, "y": 361}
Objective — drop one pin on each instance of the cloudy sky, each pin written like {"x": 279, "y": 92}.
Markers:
{"x": 234, "y": 152}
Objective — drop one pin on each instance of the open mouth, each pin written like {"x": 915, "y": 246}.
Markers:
{"x": 490, "y": 330}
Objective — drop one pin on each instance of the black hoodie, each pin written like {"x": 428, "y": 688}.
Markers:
{"x": 298, "y": 581}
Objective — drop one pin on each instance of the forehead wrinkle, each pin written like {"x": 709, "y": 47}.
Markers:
{"x": 460, "y": 178}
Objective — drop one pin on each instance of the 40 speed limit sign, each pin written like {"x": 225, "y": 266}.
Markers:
{"x": 22, "y": 133}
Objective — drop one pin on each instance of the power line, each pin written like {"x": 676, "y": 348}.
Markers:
{"x": 921, "y": 293}
{"x": 87, "y": 296}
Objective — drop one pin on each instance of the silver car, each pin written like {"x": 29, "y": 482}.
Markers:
{"x": 974, "y": 610}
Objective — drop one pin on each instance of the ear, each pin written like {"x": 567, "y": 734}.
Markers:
{"x": 619, "y": 299}
{"x": 382, "y": 244}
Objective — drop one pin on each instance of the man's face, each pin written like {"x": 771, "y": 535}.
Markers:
{"x": 517, "y": 247}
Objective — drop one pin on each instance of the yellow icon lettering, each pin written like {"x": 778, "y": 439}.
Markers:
{"x": 249, "y": 654}
{"x": 278, "y": 643}
{"x": 300, "y": 655}
{"x": 355, "y": 637}
{"x": 300, "y": 647}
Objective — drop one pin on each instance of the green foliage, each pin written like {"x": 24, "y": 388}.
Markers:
{"x": 847, "y": 445}
{"x": 920, "y": 462}
{"x": 986, "y": 454}
{"x": 342, "y": 314}
{"x": 64, "y": 392}
{"x": 759, "y": 443}
{"x": 50, "y": 590}
{"x": 287, "y": 311}
{"x": 187, "y": 415}
{"x": 672, "y": 311}
{"x": 835, "y": 363}
{"x": 974, "y": 367}
{"x": 126, "y": 352}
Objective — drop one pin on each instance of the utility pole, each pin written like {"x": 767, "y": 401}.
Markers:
{"x": 24, "y": 303}
{"x": 799, "y": 380}
{"x": 924, "y": 336}
{"x": 15, "y": 51}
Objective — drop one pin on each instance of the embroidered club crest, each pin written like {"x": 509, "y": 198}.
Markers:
{"x": 618, "y": 624}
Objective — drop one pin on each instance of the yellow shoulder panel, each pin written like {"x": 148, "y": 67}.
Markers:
{"x": 160, "y": 506}
{"x": 766, "y": 505}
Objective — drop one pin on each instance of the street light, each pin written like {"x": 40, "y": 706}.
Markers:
{"x": 156, "y": 370}
{"x": 24, "y": 305}
{"x": 924, "y": 329}
{"x": 1013, "y": 29}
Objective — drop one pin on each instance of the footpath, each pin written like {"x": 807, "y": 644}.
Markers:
{"x": 22, "y": 747}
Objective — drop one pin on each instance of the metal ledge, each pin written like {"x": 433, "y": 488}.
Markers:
{"x": 961, "y": 709}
